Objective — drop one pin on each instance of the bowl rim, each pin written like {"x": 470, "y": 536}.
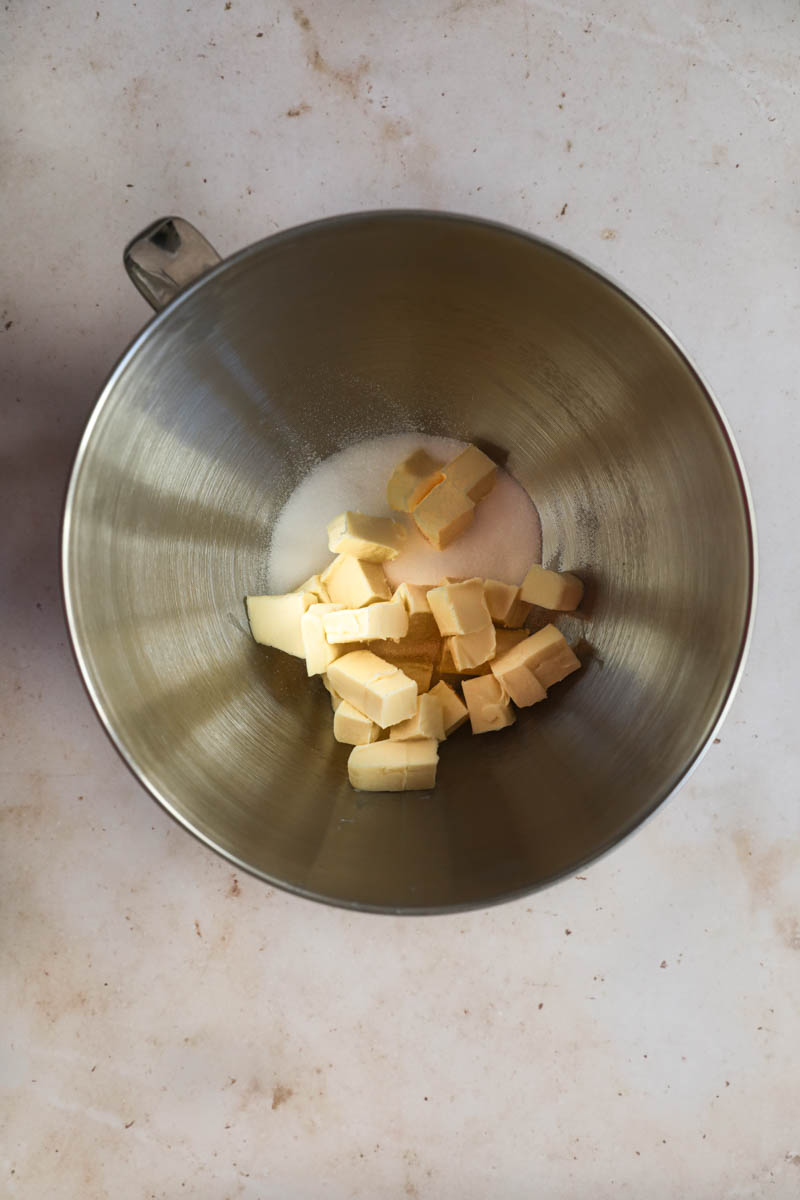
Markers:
{"x": 367, "y": 217}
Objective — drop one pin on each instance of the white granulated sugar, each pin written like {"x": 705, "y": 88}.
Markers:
{"x": 503, "y": 541}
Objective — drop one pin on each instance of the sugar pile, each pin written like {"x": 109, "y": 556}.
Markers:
{"x": 505, "y": 537}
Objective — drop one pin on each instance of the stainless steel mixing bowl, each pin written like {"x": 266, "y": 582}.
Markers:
{"x": 400, "y": 321}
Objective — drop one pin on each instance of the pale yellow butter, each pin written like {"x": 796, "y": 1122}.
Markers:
{"x": 414, "y": 598}
{"x": 352, "y": 727}
{"x": 505, "y": 603}
{"x": 556, "y": 658}
{"x": 373, "y": 539}
{"x": 275, "y": 620}
{"x": 318, "y": 651}
{"x": 382, "y": 620}
{"x": 470, "y": 650}
{"x": 448, "y": 667}
{"x": 472, "y": 472}
{"x": 394, "y": 766}
{"x": 354, "y": 583}
{"x": 427, "y": 722}
{"x": 336, "y": 699}
{"x": 315, "y": 584}
{"x": 488, "y": 705}
{"x": 454, "y": 713}
{"x": 559, "y": 591}
{"x": 528, "y": 669}
{"x": 374, "y": 686}
{"x": 459, "y": 607}
{"x": 444, "y": 515}
{"x": 520, "y": 683}
{"x": 411, "y": 481}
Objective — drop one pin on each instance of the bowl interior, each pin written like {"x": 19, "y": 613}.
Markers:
{"x": 388, "y": 323}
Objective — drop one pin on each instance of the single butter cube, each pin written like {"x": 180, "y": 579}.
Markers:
{"x": 520, "y": 683}
{"x": 454, "y": 713}
{"x": 528, "y": 669}
{"x": 505, "y": 603}
{"x": 427, "y": 722}
{"x": 275, "y": 620}
{"x": 353, "y": 727}
{"x": 506, "y": 638}
{"x": 394, "y": 766}
{"x": 374, "y": 539}
{"x": 414, "y": 598}
{"x": 472, "y": 472}
{"x": 384, "y": 620}
{"x": 420, "y": 672}
{"x": 557, "y": 658}
{"x": 557, "y": 590}
{"x": 374, "y": 686}
{"x": 336, "y": 699}
{"x": 444, "y": 515}
{"x": 411, "y": 481}
{"x": 488, "y": 705}
{"x": 316, "y": 586}
{"x": 470, "y": 650}
{"x": 448, "y": 667}
{"x": 354, "y": 583}
{"x": 459, "y": 607}
{"x": 319, "y": 654}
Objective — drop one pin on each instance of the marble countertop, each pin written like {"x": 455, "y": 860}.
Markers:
{"x": 172, "y": 1028}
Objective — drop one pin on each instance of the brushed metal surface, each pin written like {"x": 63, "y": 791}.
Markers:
{"x": 389, "y": 322}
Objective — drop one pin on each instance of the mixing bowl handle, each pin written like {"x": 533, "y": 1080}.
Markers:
{"x": 166, "y": 257}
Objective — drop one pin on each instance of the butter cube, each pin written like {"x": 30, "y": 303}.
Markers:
{"x": 557, "y": 590}
{"x": 411, "y": 481}
{"x": 420, "y": 672}
{"x": 353, "y": 582}
{"x": 528, "y": 669}
{"x": 488, "y": 705}
{"x": 275, "y": 620}
{"x": 394, "y": 766}
{"x": 448, "y": 667}
{"x": 353, "y": 727}
{"x": 454, "y": 713}
{"x": 520, "y": 683}
{"x": 319, "y": 654}
{"x": 472, "y": 472}
{"x": 427, "y": 722}
{"x": 414, "y": 599}
{"x": 383, "y": 620}
{"x": 505, "y": 603}
{"x": 374, "y": 686}
{"x": 556, "y": 658}
{"x": 459, "y": 607}
{"x": 316, "y": 586}
{"x": 336, "y": 699}
{"x": 470, "y": 650}
{"x": 444, "y": 514}
{"x": 373, "y": 539}
{"x": 506, "y": 638}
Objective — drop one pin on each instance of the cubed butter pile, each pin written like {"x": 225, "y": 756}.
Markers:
{"x": 393, "y": 661}
{"x": 441, "y": 497}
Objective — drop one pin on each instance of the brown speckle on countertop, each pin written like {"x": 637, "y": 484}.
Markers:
{"x": 280, "y": 1094}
